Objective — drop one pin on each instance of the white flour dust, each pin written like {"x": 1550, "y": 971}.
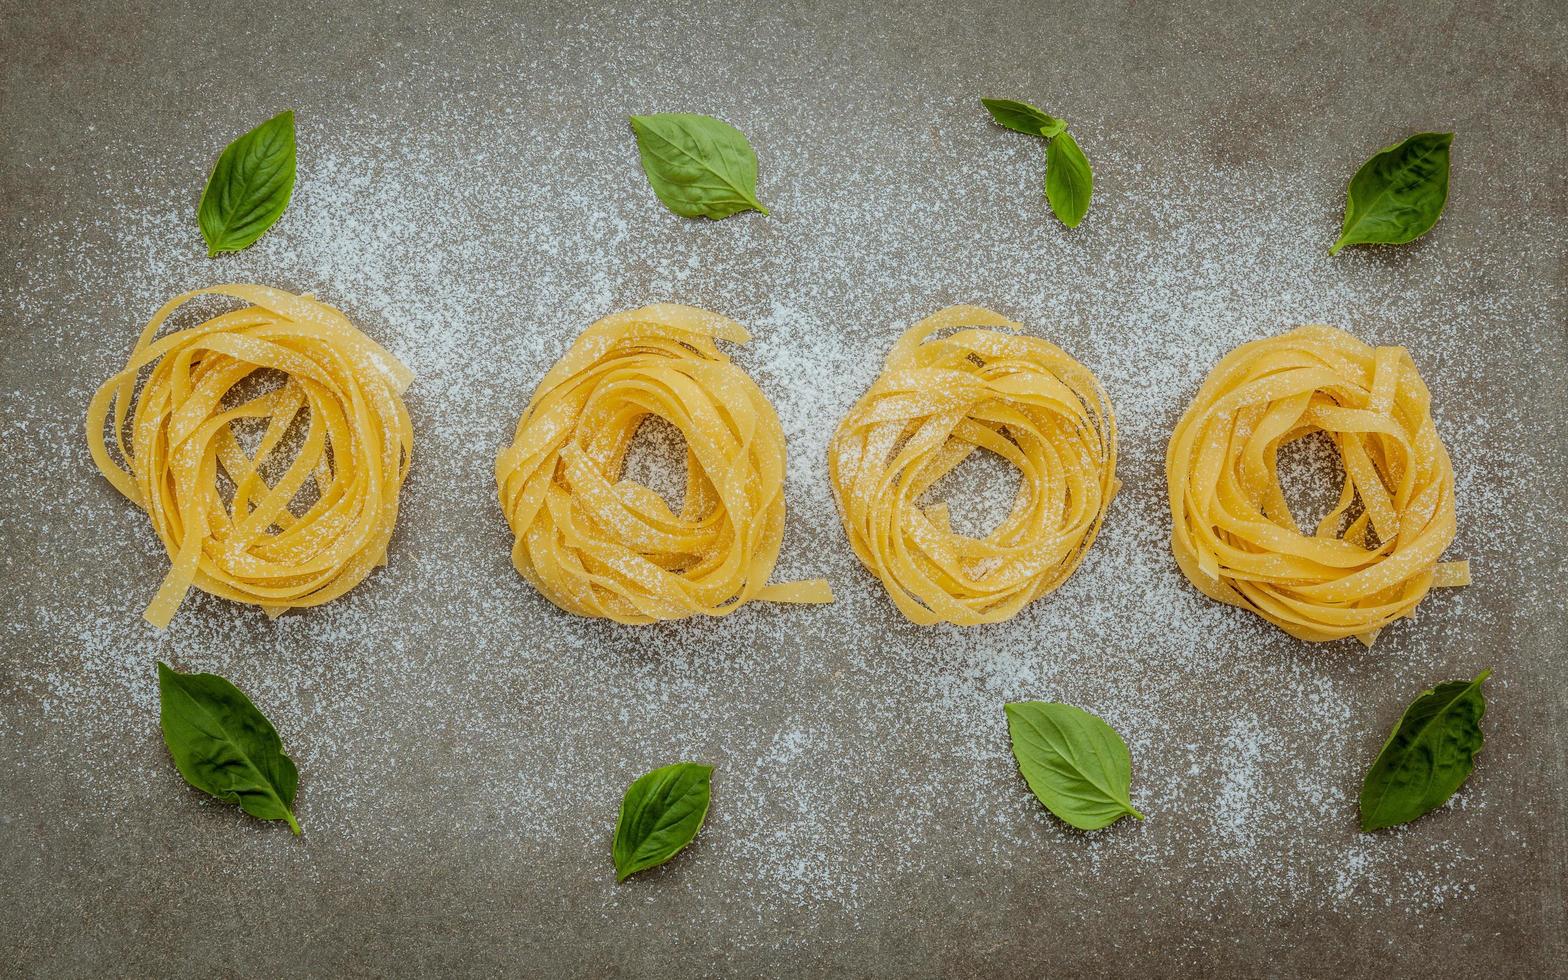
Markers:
{"x": 854, "y": 750}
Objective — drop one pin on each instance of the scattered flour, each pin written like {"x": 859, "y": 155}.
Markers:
{"x": 443, "y": 704}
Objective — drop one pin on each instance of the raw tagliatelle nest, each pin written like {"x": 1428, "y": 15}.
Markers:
{"x": 599, "y": 545}
{"x": 1234, "y": 534}
{"x": 939, "y": 399}
{"x": 248, "y": 544}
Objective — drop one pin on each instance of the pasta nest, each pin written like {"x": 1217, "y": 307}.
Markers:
{"x": 254, "y": 541}
{"x": 598, "y": 545}
{"x": 1234, "y": 535}
{"x": 936, "y": 401}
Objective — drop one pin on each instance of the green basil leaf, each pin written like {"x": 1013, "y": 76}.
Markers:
{"x": 1428, "y": 755}
{"x": 1021, "y": 117}
{"x": 222, "y": 745}
{"x": 1069, "y": 183}
{"x": 1398, "y": 194}
{"x": 660, "y": 814}
{"x": 1075, "y": 763}
{"x": 249, "y": 187}
{"x": 699, "y": 166}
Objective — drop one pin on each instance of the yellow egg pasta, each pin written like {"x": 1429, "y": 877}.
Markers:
{"x": 598, "y": 545}
{"x": 1233, "y": 533}
{"x": 239, "y": 536}
{"x": 936, "y": 402}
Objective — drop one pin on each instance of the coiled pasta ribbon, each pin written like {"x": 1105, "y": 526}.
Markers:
{"x": 1234, "y": 535}
{"x": 935, "y": 403}
{"x": 599, "y": 545}
{"x": 355, "y": 451}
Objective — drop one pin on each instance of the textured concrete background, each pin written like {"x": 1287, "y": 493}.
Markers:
{"x": 468, "y": 185}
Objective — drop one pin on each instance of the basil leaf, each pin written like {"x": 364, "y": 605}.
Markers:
{"x": 222, "y": 745}
{"x": 249, "y": 187}
{"x": 1075, "y": 763}
{"x": 660, "y": 814}
{"x": 1021, "y": 117}
{"x": 1398, "y": 194}
{"x": 1069, "y": 182}
{"x": 1428, "y": 755}
{"x": 699, "y": 166}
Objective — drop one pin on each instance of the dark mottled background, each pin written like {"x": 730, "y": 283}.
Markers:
{"x": 469, "y": 194}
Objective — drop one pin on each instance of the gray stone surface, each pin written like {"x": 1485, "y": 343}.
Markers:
{"x": 469, "y": 194}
